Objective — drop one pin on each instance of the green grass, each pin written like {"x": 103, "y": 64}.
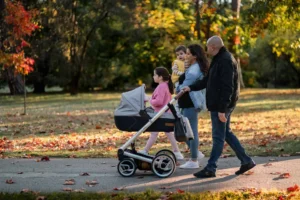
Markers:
{"x": 152, "y": 195}
{"x": 266, "y": 121}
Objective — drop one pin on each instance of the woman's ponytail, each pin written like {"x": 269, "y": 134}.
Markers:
{"x": 170, "y": 84}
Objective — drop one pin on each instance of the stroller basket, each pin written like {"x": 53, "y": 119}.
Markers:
{"x": 165, "y": 123}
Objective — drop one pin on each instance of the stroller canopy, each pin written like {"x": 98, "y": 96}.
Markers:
{"x": 131, "y": 102}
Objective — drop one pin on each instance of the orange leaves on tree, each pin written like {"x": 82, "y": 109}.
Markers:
{"x": 21, "y": 25}
{"x": 20, "y": 19}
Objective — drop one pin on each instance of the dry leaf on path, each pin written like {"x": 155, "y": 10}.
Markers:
{"x": 180, "y": 191}
{"x": 119, "y": 189}
{"x": 9, "y": 181}
{"x": 224, "y": 174}
{"x": 249, "y": 173}
{"x": 285, "y": 175}
{"x": 275, "y": 173}
{"x": 267, "y": 164}
{"x": 91, "y": 183}
{"x": 165, "y": 187}
{"x": 79, "y": 190}
{"x": 84, "y": 174}
{"x": 45, "y": 158}
{"x": 25, "y": 191}
{"x": 69, "y": 182}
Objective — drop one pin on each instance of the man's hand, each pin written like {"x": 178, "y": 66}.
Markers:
{"x": 186, "y": 89}
{"x": 222, "y": 117}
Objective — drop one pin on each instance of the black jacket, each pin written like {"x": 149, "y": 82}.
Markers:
{"x": 221, "y": 83}
{"x": 185, "y": 100}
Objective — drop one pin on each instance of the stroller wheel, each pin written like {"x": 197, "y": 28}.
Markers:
{"x": 126, "y": 167}
{"x": 163, "y": 165}
{"x": 168, "y": 152}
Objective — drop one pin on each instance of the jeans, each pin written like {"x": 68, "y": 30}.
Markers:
{"x": 221, "y": 132}
{"x": 192, "y": 115}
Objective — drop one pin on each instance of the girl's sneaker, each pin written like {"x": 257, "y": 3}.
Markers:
{"x": 143, "y": 152}
{"x": 190, "y": 165}
{"x": 178, "y": 155}
{"x": 200, "y": 155}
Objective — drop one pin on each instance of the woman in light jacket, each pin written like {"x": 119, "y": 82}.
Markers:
{"x": 193, "y": 102}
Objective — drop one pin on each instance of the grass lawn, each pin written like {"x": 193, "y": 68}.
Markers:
{"x": 266, "y": 121}
{"x": 152, "y": 195}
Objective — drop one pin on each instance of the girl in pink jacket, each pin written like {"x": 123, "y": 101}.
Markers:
{"x": 161, "y": 96}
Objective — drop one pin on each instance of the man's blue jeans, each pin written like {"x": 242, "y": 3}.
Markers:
{"x": 221, "y": 132}
{"x": 192, "y": 115}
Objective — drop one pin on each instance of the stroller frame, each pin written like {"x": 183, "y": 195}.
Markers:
{"x": 163, "y": 164}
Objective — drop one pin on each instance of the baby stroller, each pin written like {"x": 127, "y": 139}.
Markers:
{"x": 132, "y": 115}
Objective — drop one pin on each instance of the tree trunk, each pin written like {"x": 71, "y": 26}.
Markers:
{"x": 197, "y": 26}
{"x": 208, "y": 23}
{"x": 235, "y": 5}
{"x": 74, "y": 85}
{"x": 15, "y": 82}
{"x": 39, "y": 87}
{"x": 2, "y": 5}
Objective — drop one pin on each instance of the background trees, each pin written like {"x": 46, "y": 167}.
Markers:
{"x": 114, "y": 44}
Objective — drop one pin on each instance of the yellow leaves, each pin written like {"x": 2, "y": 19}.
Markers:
{"x": 162, "y": 18}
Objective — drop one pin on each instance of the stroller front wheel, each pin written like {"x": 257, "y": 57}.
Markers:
{"x": 163, "y": 165}
{"x": 126, "y": 167}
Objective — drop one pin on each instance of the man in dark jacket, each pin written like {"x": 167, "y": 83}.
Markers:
{"x": 222, "y": 92}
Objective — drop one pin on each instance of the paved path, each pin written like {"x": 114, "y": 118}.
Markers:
{"x": 50, "y": 176}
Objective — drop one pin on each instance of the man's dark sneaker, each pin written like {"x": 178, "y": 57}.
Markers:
{"x": 245, "y": 168}
{"x": 204, "y": 173}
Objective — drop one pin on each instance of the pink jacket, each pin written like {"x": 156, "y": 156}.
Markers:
{"x": 161, "y": 96}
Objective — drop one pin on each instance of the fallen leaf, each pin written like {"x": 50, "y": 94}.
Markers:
{"x": 275, "y": 173}
{"x": 267, "y": 164}
{"x": 91, "y": 183}
{"x": 84, "y": 174}
{"x": 293, "y": 188}
{"x": 224, "y": 174}
{"x": 20, "y": 172}
{"x": 67, "y": 189}
{"x": 79, "y": 190}
{"x": 119, "y": 189}
{"x": 285, "y": 155}
{"x": 25, "y": 191}
{"x": 9, "y": 181}
{"x": 98, "y": 127}
{"x": 249, "y": 173}
{"x": 69, "y": 182}
{"x": 225, "y": 155}
{"x": 285, "y": 175}
{"x": 180, "y": 191}
{"x": 45, "y": 158}
{"x": 272, "y": 159}
{"x": 140, "y": 177}
{"x": 165, "y": 187}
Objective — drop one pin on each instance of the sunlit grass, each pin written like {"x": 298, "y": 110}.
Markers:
{"x": 266, "y": 121}
{"x": 250, "y": 194}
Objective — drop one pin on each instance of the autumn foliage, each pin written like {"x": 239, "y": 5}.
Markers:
{"x": 18, "y": 25}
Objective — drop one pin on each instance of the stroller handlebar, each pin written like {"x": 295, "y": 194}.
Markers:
{"x": 179, "y": 94}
